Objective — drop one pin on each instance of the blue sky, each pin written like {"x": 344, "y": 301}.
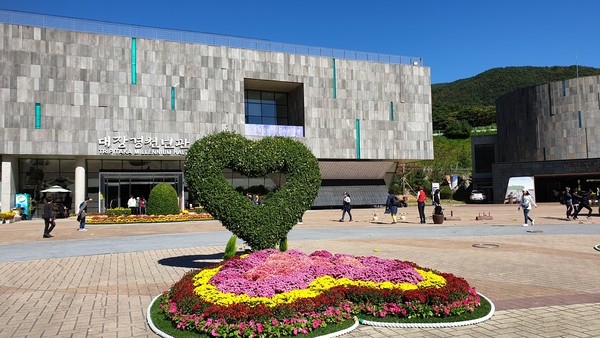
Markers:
{"x": 457, "y": 39}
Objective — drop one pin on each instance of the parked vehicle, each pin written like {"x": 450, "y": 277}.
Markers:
{"x": 478, "y": 196}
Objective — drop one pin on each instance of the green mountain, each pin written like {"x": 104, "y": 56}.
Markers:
{"x": 462, "y": 99}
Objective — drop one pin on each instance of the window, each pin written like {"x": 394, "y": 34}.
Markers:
{"x": 266, "y": 107}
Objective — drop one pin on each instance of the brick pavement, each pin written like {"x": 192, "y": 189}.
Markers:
{"x": 542, "y": 285}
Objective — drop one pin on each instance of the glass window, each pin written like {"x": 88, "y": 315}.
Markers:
{"x": 268, "y": 97}
{"x": 266, "y": 107}
{"x": 253, "y": 120}
{"x": 272, "y": 121}
{"x": 254, "y": 109}
{"x": 253, "y": 96}
{"x": 268, "y": 110}
{"x": 112, "y": 165}
{"x": 93, "y": 166}
{"x": 171, "y": 165}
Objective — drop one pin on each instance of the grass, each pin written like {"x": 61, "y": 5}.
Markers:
{"x": 166, "y": 326}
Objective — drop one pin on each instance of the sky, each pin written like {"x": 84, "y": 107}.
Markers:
{"x": 456, "y": 39}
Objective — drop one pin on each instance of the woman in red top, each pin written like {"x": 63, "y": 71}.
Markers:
{"x": 421, "y": 204}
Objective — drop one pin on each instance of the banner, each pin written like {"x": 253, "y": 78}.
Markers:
{"x": 515, "y": 188}
{"x": 454, "y": 183}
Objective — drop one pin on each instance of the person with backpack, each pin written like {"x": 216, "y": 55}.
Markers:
{"x": 82, "y": 212}
{"x": 391, "y": 206}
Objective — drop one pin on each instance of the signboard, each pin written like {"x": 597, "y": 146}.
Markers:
{"x": 124, "y": 145}
{"x": 514, "y": 191}
{"x": 22, "y": 201}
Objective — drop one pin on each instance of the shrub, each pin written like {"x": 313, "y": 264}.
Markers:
{"x": 283, "y": 245}
{"x": 230, "y": 248}
{"x": 458, "y": 130}
{"x": 163, "y": 200}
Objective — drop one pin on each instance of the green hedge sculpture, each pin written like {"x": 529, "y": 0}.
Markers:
{"x": 260, "y": 226}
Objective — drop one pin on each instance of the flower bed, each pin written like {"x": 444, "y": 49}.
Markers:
{"x": 183, "y": 217}
{"x": 271, "y": 293}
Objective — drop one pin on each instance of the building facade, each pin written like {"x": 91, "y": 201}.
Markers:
{"x": 109, "y": 110}
{"x": 550, "y": 132}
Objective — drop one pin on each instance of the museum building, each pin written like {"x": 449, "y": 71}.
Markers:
{"x": 109, "y": 110}
{"x": 550, "y": 132}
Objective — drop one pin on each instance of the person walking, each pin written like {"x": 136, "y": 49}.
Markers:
{"x": 526, "y": 203}
{"x": 49, "y": 216}
{"x": 584, "y": 202}
{"x": 346, "y": 207}
{"x": 391, "y": 205}
{"x": 421, "y": 204}
{"x": 82, "y": 213}
{"x": 567, "y": 199}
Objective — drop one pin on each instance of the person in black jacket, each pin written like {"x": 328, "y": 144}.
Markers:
{"x": 49, "y": 217}
{"x": 584, "y": 202}
{"x": 567, "y": 199}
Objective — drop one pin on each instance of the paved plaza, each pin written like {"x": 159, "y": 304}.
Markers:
{"x": 543, "y": 279}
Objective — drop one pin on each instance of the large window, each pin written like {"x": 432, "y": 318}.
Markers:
{"x": 266, "y": 107}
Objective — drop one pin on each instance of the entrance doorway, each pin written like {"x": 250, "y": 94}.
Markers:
{"x": 117, "y": 187}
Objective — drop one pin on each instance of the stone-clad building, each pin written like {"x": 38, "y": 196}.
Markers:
{"x": 108, "y": 110}
{"x": 550, "y": 132}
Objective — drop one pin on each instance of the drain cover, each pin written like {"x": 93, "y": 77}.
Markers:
{"x": 485, "y": 245}
{"x": 535, "y": 230}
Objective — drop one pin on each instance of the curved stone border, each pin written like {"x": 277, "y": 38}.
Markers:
{"x": 435, "y": 325}
{"x": 164, "y": 335}
{"x": 151, "y": 324}
{"x": 597, "y": 247}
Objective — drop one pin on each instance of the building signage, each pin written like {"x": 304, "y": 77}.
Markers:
{"x": 122, "y": 145}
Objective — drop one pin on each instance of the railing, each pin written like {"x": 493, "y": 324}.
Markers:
{"x": 101, "y": 27}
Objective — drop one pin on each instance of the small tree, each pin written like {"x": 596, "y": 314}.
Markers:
{"x": 163, "y": 200}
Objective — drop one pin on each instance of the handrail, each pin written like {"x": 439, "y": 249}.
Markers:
{"x": 103, "y": 27}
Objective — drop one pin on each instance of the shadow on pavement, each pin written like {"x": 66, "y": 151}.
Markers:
{"x": 195, "y": 261}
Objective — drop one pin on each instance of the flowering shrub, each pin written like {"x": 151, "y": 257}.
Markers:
{"x": 148, "y": 218}
{"x": 7, "y": 215}
{"x": 118, "y": 212}
{"x": 271, "y": 293}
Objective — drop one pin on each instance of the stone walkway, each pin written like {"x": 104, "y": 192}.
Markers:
{"x": 543, "y": 280}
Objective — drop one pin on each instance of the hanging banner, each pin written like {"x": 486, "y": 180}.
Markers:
{"x": 454, "y": 183}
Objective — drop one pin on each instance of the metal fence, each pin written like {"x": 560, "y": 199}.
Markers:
{"x": 100, "y": 27}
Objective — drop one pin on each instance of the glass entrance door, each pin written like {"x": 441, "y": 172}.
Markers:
{"x": 118, "y": 187}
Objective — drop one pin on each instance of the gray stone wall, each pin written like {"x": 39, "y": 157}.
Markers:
{"x": 555, "y": 121}
{"x": 83, "y": 82}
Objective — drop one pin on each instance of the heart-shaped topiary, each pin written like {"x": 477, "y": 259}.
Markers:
{"x": 261, "y": 226}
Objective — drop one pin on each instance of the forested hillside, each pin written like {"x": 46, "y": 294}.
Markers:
{"x": 461, "y": 105}
{"x": 473, "y": 99}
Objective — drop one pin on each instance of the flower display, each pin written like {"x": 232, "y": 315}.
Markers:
{"x": 271, "y": 293}
{"x": 183, "y": 217}
{"x": 7, "y": 215}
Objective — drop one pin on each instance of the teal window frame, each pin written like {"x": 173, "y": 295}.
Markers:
{"x": 38, "y": 116}
{"x": 133, "y": 60}
{"x": 172, "y": 98}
